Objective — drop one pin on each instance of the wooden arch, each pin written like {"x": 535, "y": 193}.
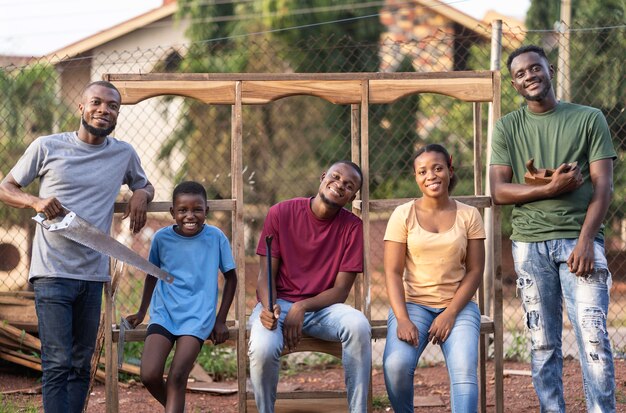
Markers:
{"x": 360, "y": 90}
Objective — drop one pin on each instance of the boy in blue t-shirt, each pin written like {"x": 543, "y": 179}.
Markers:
{"x": 184, "y": 312}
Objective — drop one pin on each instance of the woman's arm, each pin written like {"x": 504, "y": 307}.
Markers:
{"x": 394, "y": 262}
{"x": 474, "y": 266}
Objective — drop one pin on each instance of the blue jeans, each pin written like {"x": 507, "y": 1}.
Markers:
{"x": 338, "y": 322}
{"x": 68, "y": 313}
{"x": 543, "y": 279}
{"x": 460, "y": 351}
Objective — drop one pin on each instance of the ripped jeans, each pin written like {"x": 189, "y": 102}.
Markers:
{"x": 543, "y": 280}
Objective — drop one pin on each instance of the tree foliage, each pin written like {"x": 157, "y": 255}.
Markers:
{"x": 29, "y": 110}
{"x": 222, "y": 42}
{"x": 596, "y": 64}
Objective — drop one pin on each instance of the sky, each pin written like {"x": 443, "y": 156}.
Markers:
{"x": 38, "y": 27}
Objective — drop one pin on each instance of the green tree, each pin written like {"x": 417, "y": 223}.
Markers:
{"x": 270, "y": 148}
{"x": 597, "y": 44}
{"x": 29, "y": 110}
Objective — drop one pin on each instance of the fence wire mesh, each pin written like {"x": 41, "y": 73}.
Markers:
{"x": 288, "y": 143}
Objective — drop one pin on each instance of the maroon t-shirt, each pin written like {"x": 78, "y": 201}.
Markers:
{"x": 312, "y": 251}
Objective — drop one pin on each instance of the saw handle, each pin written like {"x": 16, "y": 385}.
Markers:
{"x": 40, "y": 218}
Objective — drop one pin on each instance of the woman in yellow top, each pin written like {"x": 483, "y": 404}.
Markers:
{"x": 434, "y": 259}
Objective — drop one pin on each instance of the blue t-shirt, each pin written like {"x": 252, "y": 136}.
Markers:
{"x": 188, "y": 306}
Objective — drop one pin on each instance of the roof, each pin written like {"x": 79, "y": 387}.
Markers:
{"x": 513, "y": 28}
{"x": 112, "y": 33}
{"x": 444, "y": 10}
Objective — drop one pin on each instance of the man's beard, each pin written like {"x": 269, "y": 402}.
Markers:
{"x": 541, "y": 95}
{"x": 98, "y": 132}
{"x": 328, "y": 201}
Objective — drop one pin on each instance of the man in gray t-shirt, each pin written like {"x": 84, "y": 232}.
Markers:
{"x": 83, "y": 172}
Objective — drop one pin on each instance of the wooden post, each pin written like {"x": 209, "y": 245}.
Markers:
{"x": 496, "y": 55}
{"x": 563, "y": 84}
{"x": 355, "y": 154}
{"x": 238, "y": 239}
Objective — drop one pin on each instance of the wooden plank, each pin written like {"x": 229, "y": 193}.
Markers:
{"x": 365, "y": 197}
{"x": 355, "y": 156}
{"x": 335, "y": 91}
{"x": 379, "y": 327}
{"x": 390, "y": 90}
{"x": 164, "y": 206}
{"x": 314, "y": 403}
{"x": 236, "y": 165}
{"x": 467, "y": 76}
{"x": 210, "y": 92}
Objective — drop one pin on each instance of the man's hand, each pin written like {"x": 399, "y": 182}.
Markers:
{"x": 407, "y": 331}
{"x": 292, "y": 327}
{"x": 51, "y": 207}
{"x": 566, "y": 178}
{"x": 441, "y": 327}
{"x": 270, "y": 319}
{"x": 581, "y": 259}
{"x": 219, "y": 333}
{"x": 137, "y": 209}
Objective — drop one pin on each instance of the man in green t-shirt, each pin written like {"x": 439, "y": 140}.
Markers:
{"x": 558, "y": 243}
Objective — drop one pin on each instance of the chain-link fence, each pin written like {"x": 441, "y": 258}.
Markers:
{"x": 288, "y": 143}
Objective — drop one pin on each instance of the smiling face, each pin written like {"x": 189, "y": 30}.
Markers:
{"x": 531, "y": 76}
{"x": 432, "y": 174}
{"x": 99, "y": 108}
{"x": 339, "y": 185}
{"x": 189, "y": 211}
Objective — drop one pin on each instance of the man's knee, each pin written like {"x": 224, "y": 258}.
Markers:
{"x": 358, "y": 326}
{"x": 262, "y": 351}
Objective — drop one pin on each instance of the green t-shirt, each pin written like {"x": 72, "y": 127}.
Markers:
{"x": 567, "y": 133}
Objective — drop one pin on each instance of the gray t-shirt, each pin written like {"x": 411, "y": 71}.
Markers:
{"x": 86, "y": 179}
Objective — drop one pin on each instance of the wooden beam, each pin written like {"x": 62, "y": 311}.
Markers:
{"x": 390, "y": 90}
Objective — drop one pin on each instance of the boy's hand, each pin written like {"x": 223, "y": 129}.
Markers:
{"x": 270, "y": 319}
{"x": 136, "y": 319}
{"x": 219, "y": 333}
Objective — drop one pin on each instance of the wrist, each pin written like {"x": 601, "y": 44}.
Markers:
{"x": 299, "y": 306}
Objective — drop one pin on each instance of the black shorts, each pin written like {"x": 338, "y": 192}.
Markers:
{"x": 162, "y": 331}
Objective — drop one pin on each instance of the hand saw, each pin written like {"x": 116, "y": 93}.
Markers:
{"x": 75, "y": 228}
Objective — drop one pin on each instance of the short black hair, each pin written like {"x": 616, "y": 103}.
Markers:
{"x": 435, "y": 147}
{"x": 102, "y": 83}
{"x": 525, "y": 49}
{"x": 354, "y": 166}
{"x": 189, "y": 187}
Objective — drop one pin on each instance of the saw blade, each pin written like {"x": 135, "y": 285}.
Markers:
{"x": 79, "y": 230}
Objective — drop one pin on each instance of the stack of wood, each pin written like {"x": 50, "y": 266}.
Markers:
{"x": 20, "y": 347}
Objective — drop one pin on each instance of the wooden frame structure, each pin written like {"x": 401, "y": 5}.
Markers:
{"x": 360, "y": 90}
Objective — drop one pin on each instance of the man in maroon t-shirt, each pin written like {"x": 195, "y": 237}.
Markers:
{"x": 317, "y": 252}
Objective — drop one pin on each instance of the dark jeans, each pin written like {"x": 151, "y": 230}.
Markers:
{"x": 69, "y": 314}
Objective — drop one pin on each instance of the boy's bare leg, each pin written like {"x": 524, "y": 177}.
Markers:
{"x": 187, "y": 349}
{"x": 155, "y": 352}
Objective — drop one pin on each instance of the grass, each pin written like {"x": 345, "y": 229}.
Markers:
{"x": 519, "y": 349}
{"x": 300, "y": 362}
{"x": 380, "y": 401}
{"x": 220, "y": 362}
{"x": 8, "y": 405}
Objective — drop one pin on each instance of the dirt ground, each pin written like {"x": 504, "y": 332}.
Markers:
{"x": 431, "y": 387}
